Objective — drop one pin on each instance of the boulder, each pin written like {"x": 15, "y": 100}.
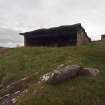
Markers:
{"x": 57, "y": 76}
{"x": 89, "y": 72}
{"x": 70, "y": 71}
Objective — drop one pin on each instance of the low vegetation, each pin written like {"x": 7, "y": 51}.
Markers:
{"x": 18, "y": 63}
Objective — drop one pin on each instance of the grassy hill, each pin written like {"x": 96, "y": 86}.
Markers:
{"x": 20, "y": 62}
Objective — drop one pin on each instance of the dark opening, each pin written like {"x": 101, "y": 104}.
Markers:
{"x": 58, "y": 40}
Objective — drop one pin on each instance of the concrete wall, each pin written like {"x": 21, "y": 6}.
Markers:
{"x": 102, "y": 37}
{"x": 82, "y": 38}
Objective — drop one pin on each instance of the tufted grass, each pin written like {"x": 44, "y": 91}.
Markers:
{"x": 20, "y": 62}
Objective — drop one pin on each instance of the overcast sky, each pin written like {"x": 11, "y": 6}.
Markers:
{"x": 24, "y": 15}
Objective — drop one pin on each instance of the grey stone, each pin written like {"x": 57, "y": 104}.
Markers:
{"x": 70, "y": 71}
{"x": 57, "y": 76}
{"x": 89, "y": 72}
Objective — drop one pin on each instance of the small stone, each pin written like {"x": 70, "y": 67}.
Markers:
{"x": 13, "y": 100}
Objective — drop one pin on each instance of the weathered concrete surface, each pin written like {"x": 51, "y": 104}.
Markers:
{"x": 82, "y": 38}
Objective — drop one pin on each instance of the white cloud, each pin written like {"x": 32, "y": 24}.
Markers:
{"x": 10, "y": 38}
{"x": 11, "y": 45}
{"x": 25, "y": 15}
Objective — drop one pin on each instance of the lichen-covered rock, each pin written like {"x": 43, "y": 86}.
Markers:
{"x": 70, "y": 71}
{"x": 14, "y": 90}
{"x": 60, "y": 75}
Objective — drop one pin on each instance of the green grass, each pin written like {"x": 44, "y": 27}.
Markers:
{"x": 20, "y": 62}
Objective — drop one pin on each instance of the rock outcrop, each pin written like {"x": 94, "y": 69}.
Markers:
{"x": 9, "y": 95}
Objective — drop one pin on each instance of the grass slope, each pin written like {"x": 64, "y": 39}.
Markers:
{"x": 20, "y": 62}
